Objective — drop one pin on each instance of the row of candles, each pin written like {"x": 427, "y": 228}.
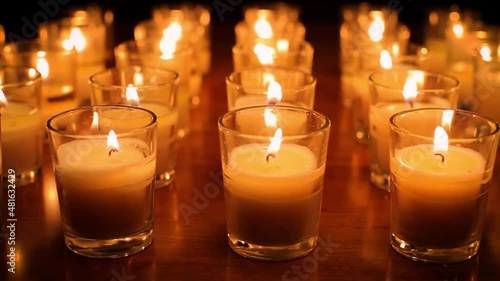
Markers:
{"x": 273, "y": 144}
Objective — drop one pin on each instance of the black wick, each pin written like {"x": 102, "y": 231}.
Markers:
{"x": 411, "y": 104}
{"x": 440, "y": 155}
{"x": 112, "y": 150}
{"x": 270, "y": 155}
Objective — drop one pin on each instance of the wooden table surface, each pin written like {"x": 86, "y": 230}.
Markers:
{"x": 190, "y": 232}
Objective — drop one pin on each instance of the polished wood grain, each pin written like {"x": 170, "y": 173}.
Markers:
{"x": 190, "y": 236}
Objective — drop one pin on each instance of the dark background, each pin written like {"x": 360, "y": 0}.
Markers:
{"x": 128, "y": 13}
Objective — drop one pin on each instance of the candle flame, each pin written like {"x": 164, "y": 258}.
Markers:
{"x": 113, "y": 140}
{"x": 274, "y": 93}
{"x": 263, "y": 29}
{"x": 168, "y": 43}
{"x": 385, "y": 59}
{"x": 458, "y": 30}
{"x": 275, "y": 144}
{"x": 76, "y": 40}
{"x": 95, "y": 121}
{"x": 264, "y": 53}
{"x": 42, "y": 65}
{"x": 376, "y": 29}
{"x": 270, "y": 118}
{"x": 131, "y": 95}
{"x": 447, "y": 118}
{"x": 410, "y": 89}
{"x": 485, "y": 53}
{"x": 282, "y": 45}
{"x": 3, "y": 99}
{"x": 440, "y": 140}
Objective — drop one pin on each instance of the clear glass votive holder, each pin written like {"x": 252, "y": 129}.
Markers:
{"x": 178, "y": 57}
{"x": 151, "y": 88}
{"x": 273, "y": 179}
{"x": 396, "y": 90}
{"x": 275, "y": 54}
{"x": 88, "y": 38}
{"x": 22, "y": 132}
{"x": 270, "y": 85}
{"x": 441, "y": 163}
{"x": 355, "y": 92}
{"x": 104, "y": 160}
{"x": 57, "y": 67}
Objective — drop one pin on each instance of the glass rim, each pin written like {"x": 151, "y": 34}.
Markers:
{"x": 35, "y": 46}
{"x": 454, "y": 87}
{"x": 131, "y": 46}
{"x": 134, "y": 68}
{"x": 151, "y": 124}
{"x": 30, "y": 79}
{"x": 394, "y": 126}
{"x": 327, "y": 124}
{"x": 311, "y": 78}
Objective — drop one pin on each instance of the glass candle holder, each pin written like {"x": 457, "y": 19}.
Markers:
{"x": 371, "y": 60}
{"x": 441, "y": 163}
{"x": 150, "y": 53}
{"x": 273, "y": 180}
{"x": 395, "y": 90}
{"x": 151, "y": 88}
{"x": 104, "y": 160}
{"x": 57, "y": 67}
{"x": 174, "y": 32}
{"x": 260, "y": 54}
{"x": 22, "y": 134}
{"x": 270, "y": 85}
{"x": 88, "y": 38}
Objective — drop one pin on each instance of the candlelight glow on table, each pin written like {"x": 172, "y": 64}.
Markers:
{"x": 395, "y": 90}
{"x": 151, "y": 88}
{"x": 440, "y": 176}
{"x": 273, "y": 181}
{"x": 104, "y": 159}
{"x": 22, "y": 134}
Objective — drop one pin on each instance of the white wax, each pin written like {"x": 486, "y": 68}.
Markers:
{"x": 22, "y": 138}
{"x": 103, "y": 194}
{"x": 280, "y": 198}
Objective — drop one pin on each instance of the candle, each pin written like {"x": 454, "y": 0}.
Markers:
{"x": 106, "y": 189}
{"x": 441, "y": 170}
{"x": 273, "y": 185}
{"x": 437, "y": 197}
{"x": 22, "y": 137}
{"x": 381, "y": 112}
{"x": 276, "y": 201}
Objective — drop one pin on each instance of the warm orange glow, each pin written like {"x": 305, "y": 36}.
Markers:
{"x": 458, "y": 30}
{"x": 3, "y": 99}
{"x": 410, "y": 89}
{"x": 168, "y": 43}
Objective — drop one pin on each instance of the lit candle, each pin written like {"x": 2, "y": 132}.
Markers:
{"x": 273, "y": 193}
{"x": 100, "y": 179}
{"x": 381, "y": 112}
{"x": 22, "y": 136}
{"x": 436, "y": 189}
